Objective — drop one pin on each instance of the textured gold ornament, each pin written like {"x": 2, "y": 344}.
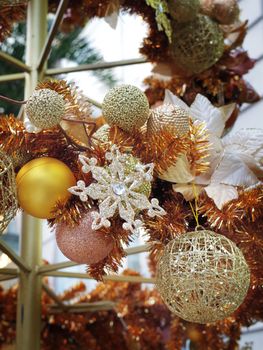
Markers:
{"x": 168, "y": 117}
{"x": 202, "y": 276}
{"x": 224, "y": 11}
{"x": 20, "y": 158}
{"x": 8, "y": 198}
{"x": 45, "y": 108}
{"x": 197, "y": 45}
{"x": 184, "y": 10}
{"x": 126, "y": 106}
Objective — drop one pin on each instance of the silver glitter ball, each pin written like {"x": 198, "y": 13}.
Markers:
{"x": 45, "y": 108}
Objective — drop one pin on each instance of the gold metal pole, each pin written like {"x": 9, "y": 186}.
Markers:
{"x": 29, "y": 299}
{"x": 96, "y": 66}
{"x": 14, "y": 61}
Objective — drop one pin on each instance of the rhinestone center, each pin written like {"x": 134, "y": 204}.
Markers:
{"x": 118, "y": 188}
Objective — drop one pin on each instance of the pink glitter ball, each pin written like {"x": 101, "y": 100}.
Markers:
{"x": 82, "y": 244}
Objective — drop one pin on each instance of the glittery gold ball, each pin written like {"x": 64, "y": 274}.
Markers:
{"x": 8, "y": 197}
{"x": 183, "y": 10}
{"x": 168, "y": 117}
{"x": 224, "y": 11}
{"x": 197, "y": 45}
{"x": 202, "y": 276}
{"x": 45, "y": 108}
{"x": 81, "y": 243}
{"x": 126, "y": 106}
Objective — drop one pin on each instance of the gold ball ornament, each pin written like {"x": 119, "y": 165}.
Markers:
{"x": 8, "y": 195}
{"x": 224, "y": 11}
{"x": 183, "y": 10}
{"x": 45, "y": 108}
{"x": 168, "y": 117}
{"x": 126, "y": 106}
{"x": 197, "y": 45}
{"x": 41, "y": 184}
{"x": 202, "y": 276}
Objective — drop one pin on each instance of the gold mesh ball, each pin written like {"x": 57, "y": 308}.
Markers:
{"x": 169, "y": 117}
{"x": 45, "y": 108}
{"x": 202, "y": 276}
{"x": 197, "y": 45}
{"x": 184, "y": 10}
{"x": 126, "y": 106}
{"x": 224, "y": 11}
{"x": 8, "y": 197}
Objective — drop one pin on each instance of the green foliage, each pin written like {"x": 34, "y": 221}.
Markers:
{"x": 70, "y": 46}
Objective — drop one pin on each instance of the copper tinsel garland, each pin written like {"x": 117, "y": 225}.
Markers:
{"x": 9, "y": 15}
{"x": 140, "y": 321}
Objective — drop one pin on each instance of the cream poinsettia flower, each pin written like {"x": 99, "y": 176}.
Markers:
{"x": 236, "y": 160}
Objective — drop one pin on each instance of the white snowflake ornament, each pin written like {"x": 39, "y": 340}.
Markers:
{"x": 116, "y": 191}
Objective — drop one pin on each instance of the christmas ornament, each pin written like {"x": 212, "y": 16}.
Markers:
{"x": 184, "y": 10}
{"x": 116, "y": 191}
{"x": 126, "y": 106}
{"x": 197, "y": 45}
{"x": 20, "y": 158}
{"x": 41, "y": 184}
{"x": 8, "y": 199}
{"x": 224, "y": 11}
{"x": 45, "y": 108}
{"x": 202, "y": 276}
{"x": 81, "y": 243}
{"x": 102, "y": 134}
{"x": 235, "y": 159}
{"x": 170, "y": 117}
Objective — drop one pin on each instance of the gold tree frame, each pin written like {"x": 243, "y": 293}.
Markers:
{"x": 30, "y": 268}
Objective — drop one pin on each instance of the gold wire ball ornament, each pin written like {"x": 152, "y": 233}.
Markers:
{"x": 45, "y": 108}
{"x": 183, "y": 10}
{"x": 126, "y": 106}
{"x": 197, "y": 45}
{"x": 224, "y": 11}
{"x": 168, "y": 117}
{"x": 8, "y": 197}
{"x": 202, "y": 276}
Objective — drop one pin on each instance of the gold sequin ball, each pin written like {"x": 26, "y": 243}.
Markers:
{"x": 197, "y": 45}
{"x": 126, "y": 106}
{"x": 169, "y": 117}
{"x": 184, "y": 10}
{"x": 202, "y": 276}
{"x": 45, "y": 108}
